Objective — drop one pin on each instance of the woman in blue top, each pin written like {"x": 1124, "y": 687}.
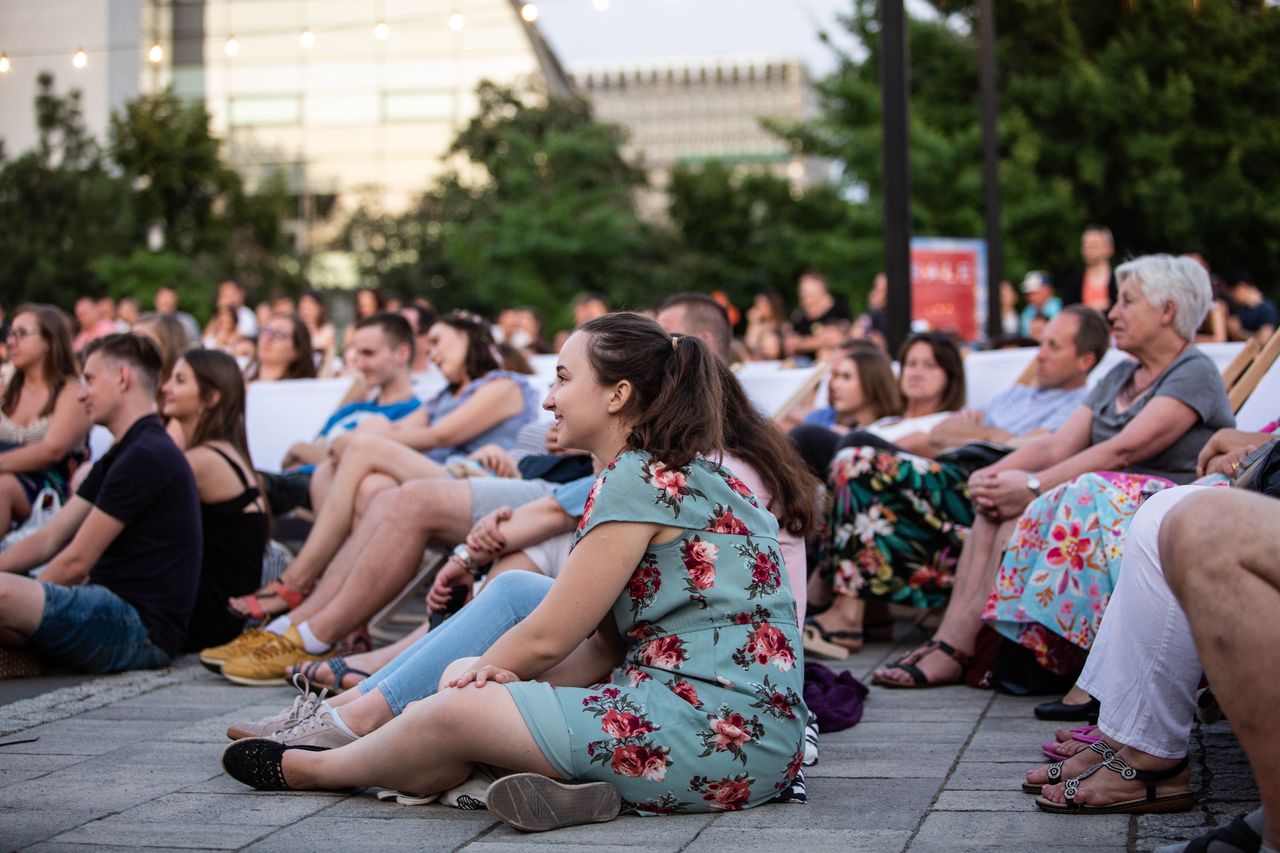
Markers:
{"x": 482, "y": 404}
{"x": 675, "y": 580}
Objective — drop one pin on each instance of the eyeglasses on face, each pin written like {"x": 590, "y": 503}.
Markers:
{"x": 17, "y": 333}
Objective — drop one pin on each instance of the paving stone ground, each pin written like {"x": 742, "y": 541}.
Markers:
{"x": 130, "y": 762}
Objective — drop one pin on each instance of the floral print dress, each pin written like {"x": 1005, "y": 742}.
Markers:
{"x": 1062, "y": 562}
{"x": 896, "y": 523}
{"x": 705, "y": 712}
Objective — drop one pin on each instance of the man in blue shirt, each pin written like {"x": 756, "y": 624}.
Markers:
{"x": 383, "y": 345}
{"x": 1041, "y": 301}
{"x": 1074, "y": 342}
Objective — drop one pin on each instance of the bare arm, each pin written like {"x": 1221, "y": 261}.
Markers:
{"x": 527, "y": 525}
{"x": 67, "y": 431}
{"x": 1042, "y": 453}
{"x": 306, "y": 453}
{"x": 595, "y": 574}
{"x": 488, "y": 407}
{"x": 960, "y": 429}
{"x": 72, "y": 564}
{"x": 41, "y": 546}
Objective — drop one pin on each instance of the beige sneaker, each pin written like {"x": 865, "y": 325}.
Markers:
{"x": 214, "y": 657}
{"x": 533, "y": 803}
{"x": 316, "y": 729}
{"x": 264, "y": 665}
{"x": 304, "y": 705}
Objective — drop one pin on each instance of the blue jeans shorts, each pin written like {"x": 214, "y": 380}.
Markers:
{"x": 92, "y": 629}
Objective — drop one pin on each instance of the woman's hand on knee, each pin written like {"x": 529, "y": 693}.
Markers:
{"x": 482, "y": 675}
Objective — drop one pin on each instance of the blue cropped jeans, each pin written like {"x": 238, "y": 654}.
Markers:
{"x": 415, "y": 673}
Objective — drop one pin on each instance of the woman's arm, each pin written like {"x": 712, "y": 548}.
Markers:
{"x": 1071, "y": 438}
{"x": 1222, "y": 444}
{"x": 67, "y": 431}
{"x": 596, "y": 572}
{"x": 506, "y": 531}
{"x": 488, "y": 407}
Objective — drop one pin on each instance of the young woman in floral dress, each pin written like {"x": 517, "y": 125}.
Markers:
{"x": 676, "y": 582}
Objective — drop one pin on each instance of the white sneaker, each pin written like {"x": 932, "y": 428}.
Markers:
{"x": 304, "y": 705}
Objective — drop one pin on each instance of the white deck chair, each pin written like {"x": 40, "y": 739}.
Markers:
{"x": 1256, "y": 397}
{"x": 776, "y": 392}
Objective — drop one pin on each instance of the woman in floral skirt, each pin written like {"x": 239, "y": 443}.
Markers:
{"x": 677, "y": 583}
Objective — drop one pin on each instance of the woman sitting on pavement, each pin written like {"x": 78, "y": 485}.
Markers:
{"x": 205, "y": 398}
{"x": 873, "y": 481}
{"x": 43, "y": 426}
{"x": 1141, "y": 426}
{"x": 753, "y": 445}
{"x": 670, "y": 730}
{"x": 862, "y": 391}
{"x": 482, "y": 405}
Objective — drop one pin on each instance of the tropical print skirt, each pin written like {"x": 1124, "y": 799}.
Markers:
{"x": 1062, "y": 562}
{"x": 895, "y": 526}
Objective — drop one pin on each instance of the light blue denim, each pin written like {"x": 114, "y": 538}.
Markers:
{"x": 415, "y": 673}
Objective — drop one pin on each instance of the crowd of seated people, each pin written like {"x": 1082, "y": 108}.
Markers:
{"x": 657, "y": 506}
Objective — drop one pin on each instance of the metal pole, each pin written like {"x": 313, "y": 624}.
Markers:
{"x": 990, "y": 162}
{"x": 895, "y": 94}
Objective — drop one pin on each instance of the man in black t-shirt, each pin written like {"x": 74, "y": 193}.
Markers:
{"x": 124, "y": 554}
{"x": 821, "y": 322}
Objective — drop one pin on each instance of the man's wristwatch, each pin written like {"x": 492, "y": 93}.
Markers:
{"x": 1033, "y": 483}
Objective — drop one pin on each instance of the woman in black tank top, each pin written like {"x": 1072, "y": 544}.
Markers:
{"x": 205, "y": 396}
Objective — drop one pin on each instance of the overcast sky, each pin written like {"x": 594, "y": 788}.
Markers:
{"x": 628, "y": 31}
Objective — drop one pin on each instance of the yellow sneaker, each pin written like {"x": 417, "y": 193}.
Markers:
{"x": 264, "y": 665}
{"x": 214, "y": 657}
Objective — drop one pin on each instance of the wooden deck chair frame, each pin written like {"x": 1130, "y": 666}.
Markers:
{"x": 1257, "y": 369}
{"x": 808, "y": 387}
{"x": 1232, "y": 372}
{"x": 382, "y": 625}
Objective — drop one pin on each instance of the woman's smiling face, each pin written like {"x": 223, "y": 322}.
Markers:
{"x": 578, "y": 401}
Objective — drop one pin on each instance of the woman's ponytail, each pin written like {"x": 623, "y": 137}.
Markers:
{"x": 678, "y": 404}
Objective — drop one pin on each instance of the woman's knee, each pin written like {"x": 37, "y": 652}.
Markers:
{"x": 454, "y": 670}
{"x": 518, "y": 590}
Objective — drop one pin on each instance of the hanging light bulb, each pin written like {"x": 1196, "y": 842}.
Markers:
{"x": 156, "y": 53}
{"x": 529, "y": 12}
{"x": 457, "y": 22}
{"x": 81, "y": 59}
{"x": 4, "y": 63}
{"x": 232, "y": 47}
{"x": 307, "y": 39}
{"x": 381, "y": 31}
{"x": 600, "y": 5}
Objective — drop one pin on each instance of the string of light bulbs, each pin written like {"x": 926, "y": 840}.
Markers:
{"x": 456, "y": 22}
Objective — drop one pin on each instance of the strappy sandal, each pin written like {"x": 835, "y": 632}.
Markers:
{"x": 1150, "y": 804}
{"x": 918, "y": 679}
{"x": 338, "y": 667}
{"x": 253, "y": 602}
{"x": 1055, "y": 769}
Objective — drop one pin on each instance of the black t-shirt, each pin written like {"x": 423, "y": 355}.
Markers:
{"x": 145, "y": 483}
{"x": 1262, "y": 314}
{"x": 839, "y": 311}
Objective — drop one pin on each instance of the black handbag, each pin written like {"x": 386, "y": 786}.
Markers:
{"x": 1260, "y": 470}
{"x": 971, "y": 456}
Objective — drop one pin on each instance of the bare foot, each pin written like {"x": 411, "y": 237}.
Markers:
{"x": 936, "y": 665}
{"x": 320, "y": 675}
{"x": 1072, "y": 766}
{"x": 1068, "y": 748}
{"x": 1106, "y": 788}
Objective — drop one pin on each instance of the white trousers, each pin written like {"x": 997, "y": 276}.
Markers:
{"x": 1143, "y": 667}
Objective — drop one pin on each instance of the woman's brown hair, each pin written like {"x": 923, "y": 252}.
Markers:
{"x": 303, "y": 365}
{"x": 947, "y": 355}
{"x": 482, "y": 355}
{"x": 677, "y": 403}
{"x": 880, "y": 391}
{"x": 171, "y": 338}
{"x": 60, "y": 365}
{"x": 754, "y": 439}
{"x": 217, "y": 372}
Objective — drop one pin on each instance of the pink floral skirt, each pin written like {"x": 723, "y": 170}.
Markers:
{"x": 1062, "y": 562}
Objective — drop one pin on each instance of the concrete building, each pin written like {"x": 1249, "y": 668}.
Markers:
{"x": 695, "y": 111}
{"x": 354, "y": 100}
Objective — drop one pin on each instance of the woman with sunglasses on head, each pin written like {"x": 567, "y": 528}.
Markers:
{"x": 482, "y": 404}
{"x": 43, "y": 426}
{"x": 674, "y": 581}
{"x": 204, "y": 396}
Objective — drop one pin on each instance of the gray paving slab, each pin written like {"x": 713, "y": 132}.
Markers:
{"x": 133, "y": 763}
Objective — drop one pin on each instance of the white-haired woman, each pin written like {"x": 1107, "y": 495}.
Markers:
{"x": 1062, "y": 504}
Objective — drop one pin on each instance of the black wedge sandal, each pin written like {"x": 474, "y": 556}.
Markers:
{"x": 1150, "y": 804}
{"x": 918, "y": 679}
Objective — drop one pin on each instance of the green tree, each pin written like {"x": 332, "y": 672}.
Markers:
{"x": 60, "y": 206}
{"x": 1155, "y": 118}
{"x": 540, "y": 207}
